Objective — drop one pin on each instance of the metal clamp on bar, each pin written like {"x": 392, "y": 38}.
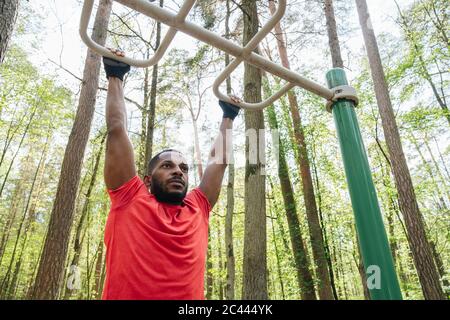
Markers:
{"x": 343, "y": 92}
{"x": 86, "y": 15}
{"x": 246, "y": 52}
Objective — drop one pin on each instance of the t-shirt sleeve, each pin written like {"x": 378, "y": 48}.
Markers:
{"x": 201, "y": 200}
{"x": 126, "y": 192}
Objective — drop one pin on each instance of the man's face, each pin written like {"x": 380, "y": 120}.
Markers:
{"x": 169, "y": 180}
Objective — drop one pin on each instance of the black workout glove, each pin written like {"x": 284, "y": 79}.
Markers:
{"x": 114, "y": 68}
{"x": 229, "y": 110}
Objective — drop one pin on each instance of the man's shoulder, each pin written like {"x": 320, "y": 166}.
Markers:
{"x": 194, "y": 193}
{"x": 128, "y": 193}
{"x": 197, "y": 198}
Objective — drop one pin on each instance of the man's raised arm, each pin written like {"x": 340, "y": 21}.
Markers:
{"x": 220, "y": 154}
{"x": 119, "y": 160}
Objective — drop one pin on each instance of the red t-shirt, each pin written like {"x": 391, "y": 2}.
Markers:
{"x": 154, "y": 250}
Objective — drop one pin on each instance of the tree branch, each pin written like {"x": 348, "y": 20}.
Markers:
{"x": 134, "y": 32}
{"x": 139, "y": 106}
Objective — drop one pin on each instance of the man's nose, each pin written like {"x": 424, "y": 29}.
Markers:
{"x": 177, "y": 171}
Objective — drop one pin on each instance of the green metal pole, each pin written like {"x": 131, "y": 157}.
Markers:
{"x": 382, "y": 279}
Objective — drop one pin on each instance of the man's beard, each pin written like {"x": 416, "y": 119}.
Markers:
{"x": 163, "y": 195}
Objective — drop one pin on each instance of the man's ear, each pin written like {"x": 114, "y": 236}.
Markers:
{"x": 148, "y": 181}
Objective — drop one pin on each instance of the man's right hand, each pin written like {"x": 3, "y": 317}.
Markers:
{"x": 114, "y": 68}
{"x": 230, "y": 110}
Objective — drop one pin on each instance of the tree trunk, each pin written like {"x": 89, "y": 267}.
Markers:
{"x": 219, "y": 253}
{"x": 229, "y": 248}
{"x": 362, "y": 275}
{"x": 343, "y": 273}
{"x": 98, "y": 269}
{"x": 230, "y": 262}
{"x": 209, "y": 275}
{"x": 144, "y": 113}
{"x": 333, "y": 38}
{"x": 198, "y": 155}
{"x": 423, "y": 258}
{"x": 440, "y": 267}
{"x": 304, "y": 275}
{"x": 8, "y": 16}
{"x": 280, "y": 224}
{"x": 78, "y": 241}
{"x": 361, "y": 271}
{"x": 333, "y": 258}
{"x": 324, "y": 230}
{"x": 255, "y": 246}
{"x": 51, "y": 266}
{"x": 101, "y": 265}
{"x": 277, "y": 255}
{"x": 91, "y": 269}
{"x": 315, "y": 230}
{"x": 152, "y": 109}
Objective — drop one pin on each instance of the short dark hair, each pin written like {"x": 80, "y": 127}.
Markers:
{"x": 153, "y": 161}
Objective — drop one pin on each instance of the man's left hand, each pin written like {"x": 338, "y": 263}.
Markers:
{"x": 230, "y": 110}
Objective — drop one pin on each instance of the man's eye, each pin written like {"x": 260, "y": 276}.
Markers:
{"x": 166, "y": 165}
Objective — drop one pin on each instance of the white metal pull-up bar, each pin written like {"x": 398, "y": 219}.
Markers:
{"x": 177, "y": 22}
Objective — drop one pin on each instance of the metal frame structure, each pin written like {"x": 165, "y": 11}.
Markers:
{"x": 341, "y": 102}
{"x": 177, "y": 22}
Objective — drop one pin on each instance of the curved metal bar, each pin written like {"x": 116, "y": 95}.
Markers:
{"x": 259, "y": 105}
{"x": 84, "y": 22}
{"x": 228, "y": 46}
{"x": 247, "y": 50}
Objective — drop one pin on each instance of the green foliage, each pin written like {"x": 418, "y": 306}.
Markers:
{"x": 207, "y": 10}
{"x": 419, "y": 54}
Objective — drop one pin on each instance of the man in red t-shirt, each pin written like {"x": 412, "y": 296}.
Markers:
{"x": 156, "y": 234}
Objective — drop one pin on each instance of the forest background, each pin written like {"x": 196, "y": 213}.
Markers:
{"x": 47, "y": 90}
